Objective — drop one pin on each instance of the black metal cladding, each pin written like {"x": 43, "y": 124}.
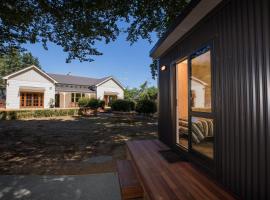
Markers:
{"x": 239, "y": 30}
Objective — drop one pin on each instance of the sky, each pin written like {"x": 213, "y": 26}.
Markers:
{"x": 129, "y": 64}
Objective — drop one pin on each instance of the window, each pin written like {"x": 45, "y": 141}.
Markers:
{"x": 35, "y": 100}
{"x": 202, "y": 134}
{"x": 31, "y": 100}
{"x": 76, "y": 96}
{"x": 194, "y": 112}
{"x": 202, "y": 123}
{"x": 201, "y": 83}
{"x": 22, "y": 99}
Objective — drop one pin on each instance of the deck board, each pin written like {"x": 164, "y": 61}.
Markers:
{"x": 163, "y": 180}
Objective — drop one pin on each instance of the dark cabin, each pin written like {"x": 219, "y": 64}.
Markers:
{"x": 214, "y": 91}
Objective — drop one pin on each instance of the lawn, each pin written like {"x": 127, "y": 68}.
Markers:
{"x": 69, "y": 145}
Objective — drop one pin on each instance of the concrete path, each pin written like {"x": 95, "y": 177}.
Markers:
{"x": 86, "y": 187}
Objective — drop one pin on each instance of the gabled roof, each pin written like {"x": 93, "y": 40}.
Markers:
{"x": 76, "y": 80}
{"x": 195, "y": 11}
{"x": 110, "y": 78}
{"x": 80, "y": 80}
{"x": 67, "y": 79}
{"x": 29, "y": 68}
{"x": 198, "y": 81}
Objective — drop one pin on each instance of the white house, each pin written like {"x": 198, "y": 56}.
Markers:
{"x": 31, "y": 87}
{"x": 198, "y": 92}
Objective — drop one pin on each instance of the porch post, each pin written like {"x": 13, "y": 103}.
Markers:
{"x": 64, "y": 100}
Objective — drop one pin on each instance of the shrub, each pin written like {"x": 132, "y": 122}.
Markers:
{"x": 93, "y": 104}
{"x": 51, "y": 103}
{"x": 122, "y": 105}
{"x": 83, "y": 102}
{"x": 101, "y": 104}
{"x": 146, "y": 106}
{"x": 132, "y": 105}
{"x": 22, "y": 114}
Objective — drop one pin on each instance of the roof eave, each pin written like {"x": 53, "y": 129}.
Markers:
{"x": 195, "y": 11}
{"x": 177, "y": 21}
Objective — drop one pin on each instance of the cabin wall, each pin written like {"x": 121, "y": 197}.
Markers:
{"x": 239, "y": 32}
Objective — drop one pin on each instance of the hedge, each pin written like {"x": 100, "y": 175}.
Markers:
{"x": 122, "y": 105}
{"x": 101, "y": 104}
{"x": 22, "y": 114}
{"x": 91, "y": 103}
{"x": 146, "y": 107}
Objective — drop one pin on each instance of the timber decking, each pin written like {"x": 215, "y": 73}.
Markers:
{"x": 163, "y": 180}
{"x": 129, "y": 183}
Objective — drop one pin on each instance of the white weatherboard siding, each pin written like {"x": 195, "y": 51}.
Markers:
{"x": 30, "y": 78}
{"x": 110, "y": 86}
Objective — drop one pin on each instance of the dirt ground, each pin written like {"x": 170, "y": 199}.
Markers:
{"x": 69, "y": 145}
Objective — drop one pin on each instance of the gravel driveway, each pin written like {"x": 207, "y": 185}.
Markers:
{"x": 69, "y": 145}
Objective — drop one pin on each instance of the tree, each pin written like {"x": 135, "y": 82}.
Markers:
{"x": 78, "y": 25}
{"x": 148, "y": 93}
{"x": 131, "y": 94}
{"x": 14, "y": 61}
{"x": 144, "y": 92}
{"x": 154, "y": 68}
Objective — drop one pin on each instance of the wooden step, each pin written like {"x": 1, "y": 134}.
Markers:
{"x": 129, "y": 183}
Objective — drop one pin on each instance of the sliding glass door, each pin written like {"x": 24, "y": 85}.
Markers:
{"x": 182, "y": 104}
{"x": 194, "y": 112}
{"x": 202, "y": 123}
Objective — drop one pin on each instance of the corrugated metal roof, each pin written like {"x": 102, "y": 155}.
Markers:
{"x": 67, "y": 88}
{"x": 76, "y": 80}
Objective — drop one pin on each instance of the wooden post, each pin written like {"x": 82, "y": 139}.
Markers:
{"x": 64, "y": 99}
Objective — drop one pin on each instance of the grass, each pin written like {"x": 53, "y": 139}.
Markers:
{"x": 69, "y": 145}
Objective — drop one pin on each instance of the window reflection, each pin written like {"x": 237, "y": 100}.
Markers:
{"x": 201, "y": 83}
{"x": 202, "y": 134}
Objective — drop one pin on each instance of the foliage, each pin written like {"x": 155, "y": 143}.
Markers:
{"x": 132, "y": 105}
{"x": 122, "y": 105}
{"x": 14, "y": 61}
{"x": 78, "y": 25}
{"x": 144, "y": 92}
{"x": 101, "y": 104}
{"x": 51, "y": 103}
{"x": 131, "y": 94}
{"x": 146, "y": 106}
{"x": 22, "y": 114}
{"x": 83, "y": 102}
{"x": 86, "y": 102}
{"x": 152, "y": 93}
{"x": 154, "y": 68}
{"x": 93, "y": 104}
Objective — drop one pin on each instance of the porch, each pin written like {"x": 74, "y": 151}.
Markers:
{"x": 168, "y": 177}
{"x": 70, "y": 99}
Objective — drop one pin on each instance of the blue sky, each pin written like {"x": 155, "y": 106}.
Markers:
{"x": 129, "y": 64}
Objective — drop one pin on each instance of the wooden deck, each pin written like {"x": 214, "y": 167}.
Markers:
{"x": 162, "y": 180}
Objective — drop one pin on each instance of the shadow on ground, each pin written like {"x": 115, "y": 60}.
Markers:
{"x": 69, "y": 145}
